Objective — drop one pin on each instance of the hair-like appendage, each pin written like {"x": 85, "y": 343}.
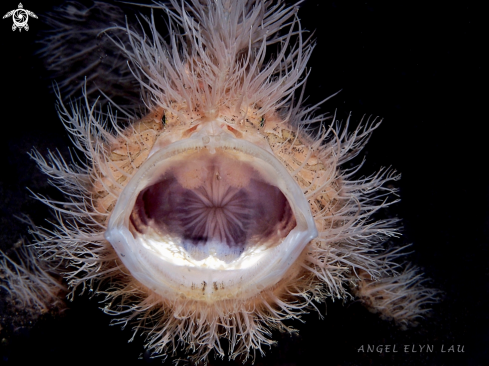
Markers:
{"x": 243, "y": 62}
{"x": 401, "y": 297}
{"x": 79, "y": 55}
{"x": 216, "y": 56}
{"x": 32, "y": 288}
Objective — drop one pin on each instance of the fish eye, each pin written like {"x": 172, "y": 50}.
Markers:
{"x": 210, "y": 206}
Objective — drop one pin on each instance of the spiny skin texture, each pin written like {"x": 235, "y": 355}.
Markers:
{"x": 29, "y": 283}
{"x": 396, "y": 297}
{"x": 75, "y": 35}
{"x": 213, "y": 68}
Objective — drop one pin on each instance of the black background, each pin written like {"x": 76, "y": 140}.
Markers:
{"x": 423, "y": 69}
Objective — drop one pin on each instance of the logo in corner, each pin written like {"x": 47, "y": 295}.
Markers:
{"x": 20, "y": 17}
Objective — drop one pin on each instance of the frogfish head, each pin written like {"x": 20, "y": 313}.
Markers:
{"x": 222, "y": 209}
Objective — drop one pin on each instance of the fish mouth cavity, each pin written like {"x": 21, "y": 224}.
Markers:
{"x": 212, "y": 204}
{"x": 211, "y": 208}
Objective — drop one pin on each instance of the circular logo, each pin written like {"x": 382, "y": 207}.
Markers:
{"x": 20, "y": 18}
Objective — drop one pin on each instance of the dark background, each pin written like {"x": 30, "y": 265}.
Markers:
{"x": 423, "y": 69}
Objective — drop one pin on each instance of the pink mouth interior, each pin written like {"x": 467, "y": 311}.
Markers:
{"x": 213, "y": 200}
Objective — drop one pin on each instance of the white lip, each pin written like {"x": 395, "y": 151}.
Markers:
{"x": 168, "y": 270}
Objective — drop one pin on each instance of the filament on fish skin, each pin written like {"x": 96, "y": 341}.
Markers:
{"x": 223, "y": 210}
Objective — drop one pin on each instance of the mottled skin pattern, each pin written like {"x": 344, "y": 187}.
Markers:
{"x": 425, "y": 84}
{"x": 329, "y": 202}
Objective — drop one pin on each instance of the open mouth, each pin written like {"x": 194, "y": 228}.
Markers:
{"x": 214, "y": 208}
{"x": 213, "y": 204}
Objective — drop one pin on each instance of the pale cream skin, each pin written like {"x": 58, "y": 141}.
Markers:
{"x": 220, "y": 208}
